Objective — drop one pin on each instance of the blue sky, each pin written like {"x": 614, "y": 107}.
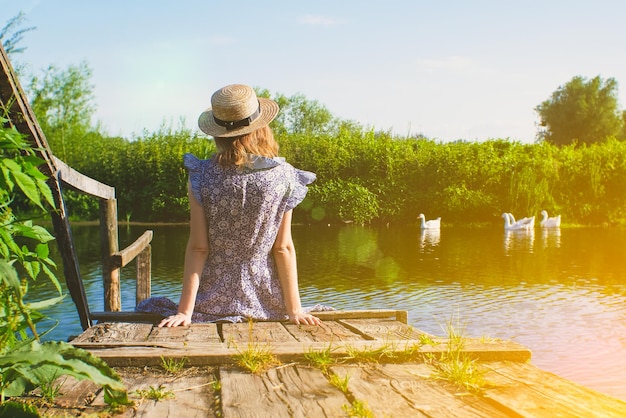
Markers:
{"x": 450, "y": 70}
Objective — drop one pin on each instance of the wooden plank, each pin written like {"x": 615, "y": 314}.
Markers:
{"x": 247, "y": 395}
{"x": 329, "y": 331}
{"x": 291, "y": 391}
{"x": 125, "y": 256}
{"x": 371, "y": 313}
{"x": 126, "y": 316}
{"x": 255, "y": 332}
{"x": 200, "y": 333}
{"x": 109, "y": 246}
{"x": 20, "y": 113}
{"x": 374, "y": 393}
{"x": 530, "y": 391}
{"x": 407, "y": 390}
{"x": 193, "y": 395}
{"x": 144, "y": 275}
{"x": 67, "y": 250}
{"x": 382, "y": 329}
{"x": 129, "y": 353}
{"x": 120, "y": 332}
{"x": 75, "y": 393}
{"x": 83, "y": 183}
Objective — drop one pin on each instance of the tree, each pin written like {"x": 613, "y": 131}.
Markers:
{"x": 299, "y": 115}
{"x": 11, "y": 34}
{"x": 63, "y": 102}
{"x": 583, "y": 111}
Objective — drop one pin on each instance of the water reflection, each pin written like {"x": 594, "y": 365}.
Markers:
{"x": 564, "y": 296}
{"x": 519, "y": 240}
{"x": 429, "y": 238}
{"x": 551, "y": 237}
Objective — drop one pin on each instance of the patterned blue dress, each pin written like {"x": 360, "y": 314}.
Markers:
{"x": 244, "y": 208}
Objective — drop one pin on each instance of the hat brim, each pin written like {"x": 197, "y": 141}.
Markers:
{"x": 207, "y": 124}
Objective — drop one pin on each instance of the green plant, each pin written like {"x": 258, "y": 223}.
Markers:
{"x": 358, "y": 409}
{"x": 255, "y": 358}
{"x": 321, "y": 359}
{"x": 454, "y": 364}
{"x": 173, "y": 365}
{"x": 425, "y": 339}
{"x": 50, "y": 389}
{"x": 157, "y": 394}
{"x": 340, "y": 383}
{"x": 25, "y": 362}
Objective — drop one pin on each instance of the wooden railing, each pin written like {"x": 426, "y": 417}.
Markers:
{"x": 16, "y": 108}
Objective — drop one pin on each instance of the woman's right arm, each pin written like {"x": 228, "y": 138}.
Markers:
{"x": 195, "y": 256}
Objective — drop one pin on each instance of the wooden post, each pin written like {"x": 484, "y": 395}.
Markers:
{"x": 144, "y": 274}
{"x": 63, "y": 235}
{"x": 110, "y": 246}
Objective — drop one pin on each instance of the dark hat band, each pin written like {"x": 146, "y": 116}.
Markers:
{"x": 230, "y": 125}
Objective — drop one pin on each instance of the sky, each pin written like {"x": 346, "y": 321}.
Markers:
{"x": 448, "y": 70}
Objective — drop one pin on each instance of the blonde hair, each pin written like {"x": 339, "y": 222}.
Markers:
{"x": 233, "y": 151}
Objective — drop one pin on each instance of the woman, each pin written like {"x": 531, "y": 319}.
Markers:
{"x": 240, "y": 261}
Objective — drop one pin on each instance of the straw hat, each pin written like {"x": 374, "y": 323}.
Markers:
{"x": 236, "y": 110}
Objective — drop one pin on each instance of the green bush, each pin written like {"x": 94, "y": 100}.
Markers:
{"x": 25, "y": 362}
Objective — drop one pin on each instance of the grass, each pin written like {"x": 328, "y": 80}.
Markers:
{"x": 50, "y": 390}
{"x": 340, "y": 383}
{"x": 388, "y": 351}
{"x": 321, "y": 359}
{"x": 455, "y": 365}
{"x": 358, "y": 409}
{"x": 173, "y": 365}
{"x": 157, "y": 394}
{"x": 255, "y": 358}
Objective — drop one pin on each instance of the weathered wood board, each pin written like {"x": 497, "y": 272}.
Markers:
{"x": 128, "y": 344}
{"x": 370, "y": 372}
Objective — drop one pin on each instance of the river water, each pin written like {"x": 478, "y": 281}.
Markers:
{"x": 562, "y": 293}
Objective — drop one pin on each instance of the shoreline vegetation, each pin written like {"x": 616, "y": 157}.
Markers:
{"x": 368, "y": 177}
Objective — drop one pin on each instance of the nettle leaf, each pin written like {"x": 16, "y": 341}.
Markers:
{"x": 11, "y": 164}
{"x": 45, "y": 192}
{"x": 4, "y": 249}
{"x": 32, "y": 268}
{"x": 43, "y": 304}
{"x": 42, "y": 250}
{"x": 37, "y": 232}
{"x": 34, "y": 362}
{"x": 28, "y": 187}
{"x": 53, "y": 278}
{"x": 6, "y": 175}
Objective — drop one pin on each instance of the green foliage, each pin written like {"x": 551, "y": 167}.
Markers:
{"x": 12, "y": 33}
{"x": 25, "y": 363}
{"x": 581, "y": 111}
{"x": 363, "y": 176}
{"x": 37, "y": 364}
{"x": 63, "y": 102}
{"x": 339, "y": 200}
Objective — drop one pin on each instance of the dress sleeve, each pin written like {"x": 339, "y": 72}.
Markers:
{"x": 299, "y": 188}
{"x": 194, "y": 168}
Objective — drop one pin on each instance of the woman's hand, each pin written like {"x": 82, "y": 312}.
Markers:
{"x": 176, "y": 320}
{"x": 301, "y": 318}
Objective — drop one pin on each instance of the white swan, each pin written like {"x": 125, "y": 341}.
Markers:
{"x": 547, "y": 222}
{"x": 430, "y": 224}
{"x": 523, "y": 224}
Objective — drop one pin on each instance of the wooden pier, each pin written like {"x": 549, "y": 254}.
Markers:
{"x": 375, "y": 365}
{"x": 381, "y": 367}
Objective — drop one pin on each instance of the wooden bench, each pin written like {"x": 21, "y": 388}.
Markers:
{"x": 18, "y": 111}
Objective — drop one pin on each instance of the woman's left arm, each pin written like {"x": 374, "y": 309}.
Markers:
{"x": 284, "y": 253}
